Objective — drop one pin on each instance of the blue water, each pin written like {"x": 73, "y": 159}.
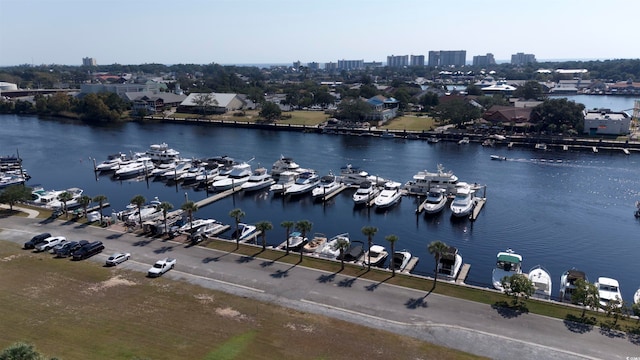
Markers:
{"x": 574, "y": 213}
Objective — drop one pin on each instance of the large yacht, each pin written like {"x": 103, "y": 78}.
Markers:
{"x": 260, "y": 179}
{"x": 283, "y": 164}
{"x": 162, "y": 153}
{"x": 508, "y": 263}
{"x": 463, "y": 203}
{"x": 365, "y": 193}
{"x": 542, "y": 283}
{"x": 436, "y": 201}
{"x": 568, "y": 283}
{"x": 389, "y": 196}
{"x": 238, "y": 176}
{"x": 328, "y": 185}
{"x": 608, "y": 291}
{"x": 285, "y": 180}
{"x": 449, "y": 264}
{"x": 304, "y": 183}
{"x": 425, "y": 180}
{"x": 352, "y": 175}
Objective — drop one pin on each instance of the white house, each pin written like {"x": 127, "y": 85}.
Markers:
{"x": 221, "y": 102}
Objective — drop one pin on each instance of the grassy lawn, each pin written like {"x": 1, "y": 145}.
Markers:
{"x": 82, "y": 310}
{"x": 309, "y": 118}
{"x": 411, "y": 123}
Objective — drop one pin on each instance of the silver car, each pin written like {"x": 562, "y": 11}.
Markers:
{"x": 117, "y": 258}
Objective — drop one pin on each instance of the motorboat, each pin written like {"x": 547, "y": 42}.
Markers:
{"x": 568, "y": 283}
{"x": 161, "y": 153}
{"x": 146, "y": 212}
{"x": 425, "y": 180}
{"x": 353, "y": 253}
{"x": 283, "y": 164}
{"x": 463, "y": 202}
{"x": 195, "y": 225}
{"x": 387, "y": 135}
{"x": 389, "y": 196}
{"x": 181, "y": 168}
{"x": 436, "y": 201}
{"x": 210, "y": 229}
{"x": 304, "y": 183}
{"x": 285, "y": 180}
{"x": 330, "y": 248}
{"x": 352, "y": 175}
{"x": 608, "y": 291}
{"x": 401, "y": 259}
{"x": 449, "y": 264}
{"x": 328, "y": 185}
{"x": 465, "y": 140}
{"x": 541, "y": 280}
{"x": 378, "y": 255}
{"x": 238, "y": 176}
{"x": 140, "y": 166}
{"x": 260, "y": 179}
{"x": 189, "y": 177}
{"x": 159, "y": 170}
{"x": 498, "y": 157}
{"x": 636, "y": 297}
{"x": 295, "y": 241}
{"x": 508, "y": 263}
{"x": 51, "y": 198}
{"x": 433, "y": 140}
{"x": 315, "y": 244}
{"x": 365, "y": 193}
{"x": 112, "y": 163}
{"x": 244, "y": 232}
{"x": 541, "y": 146}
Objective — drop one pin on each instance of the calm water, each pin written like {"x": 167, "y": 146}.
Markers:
{"x": 574, "y": 213}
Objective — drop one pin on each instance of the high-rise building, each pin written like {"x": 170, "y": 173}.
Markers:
{"x": 297, "y": 64}
{"x": 416, "y": 60}
{"x": 522, "y": 59}
{"x": 330, "y": 66}
{"x": 484, "y": 60}
{"x": 448, "y": 58}
{"x": 313, "y": 66}
{"x": 397, "y": 61}
{"x": 350, "y": 64}
{"x": 88, "y": 61}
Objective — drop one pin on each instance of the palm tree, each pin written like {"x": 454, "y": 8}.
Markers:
{"x": 263, "y": 227}
{"x": 369, "y": 232}
{"x": 304, "y": 226}
{"x": 85, "y": 200}
{"x": 437, "y": 249}
{"x": 100, "y": 199}
{"x": 139, "y": 201}
{"x": 287, "y": 225}
{"x": 165, "y": 206}
{"x": 237, "y": 215}
{"x": 392, "y": 240}
{"x": 342, "y": 244}
{"x": 64, "y": 197}
{"x": 190, "y": 207}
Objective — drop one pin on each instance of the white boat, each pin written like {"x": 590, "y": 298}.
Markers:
{"x": 174, "y": 173}
{"x": 426, "y": 180}
{"x": 498, "y": 157}
{"x": 541, "y": 146}
{"x": 508, "y": 263}
{"x": 112, "y": 163}
{"x": 328, "y": 185}
{"x": 541, "y": 282}
{"x": 260, "y": 179}
{"x": 387, "y": 135}
{"x": 465, "y": 140}
{"x": 195, "y": 225}
{"x": 146, "y": 212}
{"x": 568, "y": 283}
{"x": 378, "y": 256}
{"x": 162, "y": 153}
{"x": 238, "y": 176}
{"x": 209, "y": 229}
{"x": 160, "y": 169}
{"x": 51, "y": 199}
{"x": 304, "y": 183}
{"x": 351, "y": 175}
{"x": 608, "y": 290}
{"x": 283, "y": 164}
{"x": 450, "y": 264}
{"x": 244, "y": 232}
{"x": 365, "y": 193}
{"x": 389, "y": 196}
{"x": 433, "y": 140}
{"x": 436, "y": 201}
{"x": 190, "y": 176}
{"x": 463, "y": 202}
{"x": 636, "y": 297}
{"x": 285, "y": 180}
{"x": 401, "y": 259}
{"x": 296, "y": 240}
{"x": 140, "y": 166}
{"x": 330, "y": 248}
{"x": 315, "y": 244}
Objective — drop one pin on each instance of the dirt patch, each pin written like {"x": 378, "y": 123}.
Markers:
{"x": 230, "y": 313}
{"x": 300, "y": 327}
{"x": 9, "y": 258}
{"x": 114, "y": 281}
{"x": 204, "y": 298}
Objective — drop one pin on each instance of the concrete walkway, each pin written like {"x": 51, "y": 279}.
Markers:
{"x": 30, "y": 213}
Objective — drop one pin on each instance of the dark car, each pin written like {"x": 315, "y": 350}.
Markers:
{"x": 31, "y": 244}
{"x": 68, "y": 248}
{"x": 88, "y": 250}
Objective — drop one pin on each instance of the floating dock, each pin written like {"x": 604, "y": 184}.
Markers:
{"x": 217, "y": 196}
{"x": 462, "y": 275}
{"x": 336, "y": 192}
{"x": 411, "y": 265}
{"x": 476, "y": 209}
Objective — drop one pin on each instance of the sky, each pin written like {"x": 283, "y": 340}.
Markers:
{"x": 283, "y": 31}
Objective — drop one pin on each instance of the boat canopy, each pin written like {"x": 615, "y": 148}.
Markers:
{"x": 509, "y": 258}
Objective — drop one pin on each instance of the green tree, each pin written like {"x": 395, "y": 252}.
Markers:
{"x": 342, "y": 245}
{"x": 165, "y": 206}
{"x": 139, "y": 201}
{"x": 237, "y": 215}
{"x": 304, "y": 226}
{"x": 392, "y": 239}
{"x": 560, "y": 112}
{"x": 474, "y": 90}
{"x": 531, "y": 90}
{"x": 13, "y": 194}
{"x": 586, "y": 294}
{"x": 21, "y": 351}
{"x": 614, "y": 308}
{"x": 437, "y": 249}
{"x": 204, "y": 101}
{"x": 287, "y": 225}
{"x": 263, "y": 227}
{"x": 517, "y": 286}
{"x": 85, "y": 200}
{"x": 190, "y": 207}
{"x": 457, "y": 110}
{"x": 270, "y": 111}
{"x": 65, "y": 197}
{"x": 635, "y": 308}
{"x": 100, "y": 199}
{"x": 369, "y": 232}
{"x": 353, "y": 109}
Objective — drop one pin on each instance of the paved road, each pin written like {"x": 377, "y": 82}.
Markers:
{"x": 455, "y": 323}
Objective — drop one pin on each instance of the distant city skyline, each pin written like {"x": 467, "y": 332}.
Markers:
{"x": 284, "y": 31}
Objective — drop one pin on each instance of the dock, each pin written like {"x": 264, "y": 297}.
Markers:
{"x": 97, "y": 207}
{"x": 334, "y": 193}
{"x": 462, "y": 275}
{"x": 217, "y": 196}
{"x": 411, "y": 265}
{"x": 476, "y": 209}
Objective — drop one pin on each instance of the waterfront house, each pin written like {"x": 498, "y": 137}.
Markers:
{"x": 154, "y": 102}
{"x": 384, "y": 108}
{"x": 221, "y": 103}
{"x": 508, "y": 115}
{"x": 606, "y": 122}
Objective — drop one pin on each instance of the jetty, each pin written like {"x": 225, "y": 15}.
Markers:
{"x": 476, "y": 209}
{"x": 411, "y": 265}
{"x": 217, "y": 196}
{"x": 462, "y": 275}
{"x": 334, "y": 193}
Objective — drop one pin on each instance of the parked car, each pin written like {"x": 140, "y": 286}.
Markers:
{"x": 117, "y": 258}
{"x": 31, "y": 244}
{"x": 54, "y": 249}
{"x": 69, "y": 247}
{"x": 88, "y": 250}
{"x": 161, "y": 267}
{"x": 50, "y": 242}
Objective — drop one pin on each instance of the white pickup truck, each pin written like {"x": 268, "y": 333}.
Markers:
{"x": 161, "y": 267}
{"x": 50, "y": 242}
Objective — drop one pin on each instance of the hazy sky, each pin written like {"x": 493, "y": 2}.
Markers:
{"x": 283, "y": 31}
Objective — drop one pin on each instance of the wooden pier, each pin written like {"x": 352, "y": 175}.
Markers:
{"x": 476, "y": 209}
{"x": 462, "y": 275}
{"x": 97, "y": 207}
{"x": 334, "y": 193}
{"x": 411, "y": 265}
{"x": 217, "y": 196}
